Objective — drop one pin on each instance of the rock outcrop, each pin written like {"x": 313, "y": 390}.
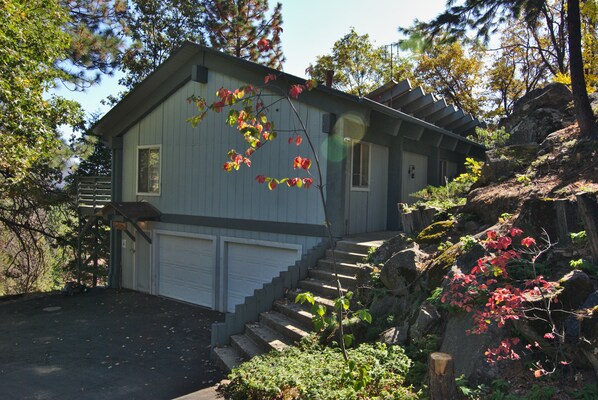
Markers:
{"x": 540, "y": 112}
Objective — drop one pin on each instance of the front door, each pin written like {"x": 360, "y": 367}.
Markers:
{"x": 415, "y": 175}
{"x": 367, "y": 188}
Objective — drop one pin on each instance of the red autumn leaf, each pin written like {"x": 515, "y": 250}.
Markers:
{"x": 307, "y": 182}
{"x": 228, "y": 166}
{"x": 295, "y": 91}
{"x": 263, "y": 44}
{"x": 297, "y": 162}
{"x": 272, "y": 185}
{"x": 491, "y": 235}
{"x": 298, "y": 140}
{"x": 528, "y": 241}
{"x": 292, "y": 182}
{"x": 515, "y": 232}
{"x": 260, "y": 178}
{"x": 269, "y": 78}
{"x": 305, "y": 163}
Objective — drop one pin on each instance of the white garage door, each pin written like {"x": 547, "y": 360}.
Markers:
{"x": 250, "y": 266}
{"x": 186, "y": 269}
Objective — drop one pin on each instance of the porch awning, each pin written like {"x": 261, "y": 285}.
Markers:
{"x": 132, "y": 212}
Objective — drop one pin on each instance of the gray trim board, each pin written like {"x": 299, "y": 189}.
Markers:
{"x": 286, "y": 228}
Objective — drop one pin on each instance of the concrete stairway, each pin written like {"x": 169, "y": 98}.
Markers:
{"x": 288, "y": 322}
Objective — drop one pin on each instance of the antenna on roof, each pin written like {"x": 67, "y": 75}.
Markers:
{"x": 390, "y": 48}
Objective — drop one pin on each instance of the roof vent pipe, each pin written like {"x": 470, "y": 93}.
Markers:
{"x": 329, "y": 76}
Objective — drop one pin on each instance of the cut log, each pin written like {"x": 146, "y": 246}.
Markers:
{"x": 416, "y": 220}
{"x": 441, "y": 371}
{"x": 588, "y": 211}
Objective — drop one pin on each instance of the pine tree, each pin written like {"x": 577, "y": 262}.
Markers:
{"x": 157, "y": 28}
{"x": 96, "y": 29}
{"x": 236, "y": 26}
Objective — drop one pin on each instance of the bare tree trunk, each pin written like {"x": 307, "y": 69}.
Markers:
{"x": 583, "y": 109}
{"x": 441, "y": 371}
{"x": 588, "y": 211}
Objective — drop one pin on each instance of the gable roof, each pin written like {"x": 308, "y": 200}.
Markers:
{"x": 176, "y": 72}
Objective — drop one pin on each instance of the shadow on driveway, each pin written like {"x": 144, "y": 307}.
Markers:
{"x": 104, "y": 344}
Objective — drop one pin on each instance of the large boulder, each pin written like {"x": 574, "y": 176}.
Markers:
{"x": 468, "y": 349}
{"x": 540, "y": 112}
{"x": 396, "y": 336}
{"x": 402, "y": 269}
{"x": 390, "y": 247}
{"x": 427, "y": 318}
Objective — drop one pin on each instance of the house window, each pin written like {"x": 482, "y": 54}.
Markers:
{"x": 148, "y": 170}
{"x": 361, "y": 165}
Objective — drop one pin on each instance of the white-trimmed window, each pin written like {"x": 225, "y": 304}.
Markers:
{"x": 360, "y": 166}
{"x": 148, "y": 170}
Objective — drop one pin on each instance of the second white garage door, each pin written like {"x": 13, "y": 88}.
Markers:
{"x": 186, "y": 268}
{"x": 250, "y": 266}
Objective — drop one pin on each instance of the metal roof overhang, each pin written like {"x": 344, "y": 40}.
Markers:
{"x": 426, "y": 127}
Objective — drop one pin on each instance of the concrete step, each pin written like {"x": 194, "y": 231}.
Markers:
{"x": 347, "y": 281}
{"x": 353, "y": 247}
{"x": 294, "y": 311}
{"x": 325, "y": 301}
{"x": 346, "y": 256}
{"x": 320, "y": 288}
{"x": 245, "y": 346}
{"x": 226, "y": 358}
{"x": 284, "y": 325}
{"x": 343, "y": 268}
{"x": 266, "y": 338}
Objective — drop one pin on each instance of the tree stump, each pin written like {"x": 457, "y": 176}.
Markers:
{"x": 588, "y": 211}
{"x": 441, "y": 372}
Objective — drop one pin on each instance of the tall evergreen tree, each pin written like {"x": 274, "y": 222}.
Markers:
{"x": 237, "y": 26}
{"x": 484, "y": 16}
{"x": 96, "y": 29}
{"x": 157, "y": 28}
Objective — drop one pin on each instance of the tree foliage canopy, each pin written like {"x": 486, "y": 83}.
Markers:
{"x": 484, "y": 17}
{"x": 358, "y": 65}
{"x": 31, "y": 41}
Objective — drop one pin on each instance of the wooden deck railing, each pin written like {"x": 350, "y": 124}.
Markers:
{"x": 93, "y": 192}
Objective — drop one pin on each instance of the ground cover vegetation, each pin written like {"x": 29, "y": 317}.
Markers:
{"x": 509, "y": 272}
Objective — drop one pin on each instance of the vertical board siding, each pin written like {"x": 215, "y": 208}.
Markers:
{"x": 378, "y": 197}
{"x": 193, "y": 181}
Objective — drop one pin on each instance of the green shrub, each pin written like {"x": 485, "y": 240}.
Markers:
{"x": 310, "y": 371}
{"x": 578, "y": 238}
{"x": 468, "y": 242}
{"x": 452, "y": 193}
{"x": 491, "y": 138}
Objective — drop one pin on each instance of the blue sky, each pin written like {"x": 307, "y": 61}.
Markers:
{"x": 310, "y": 29}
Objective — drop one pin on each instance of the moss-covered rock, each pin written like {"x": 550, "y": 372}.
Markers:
{"x": 436, "y": 232}
{"x": 442, "y": 264}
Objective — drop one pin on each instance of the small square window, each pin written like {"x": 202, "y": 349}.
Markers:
{"x": 360, "y": 165}
{"x": 148, "y": 170}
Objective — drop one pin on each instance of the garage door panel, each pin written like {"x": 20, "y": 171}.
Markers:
{"x": 251, "y": 266}
{"x": 186, "y": 269}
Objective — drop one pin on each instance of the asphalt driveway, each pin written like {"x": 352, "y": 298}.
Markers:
{"x": 104, "y": 344}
